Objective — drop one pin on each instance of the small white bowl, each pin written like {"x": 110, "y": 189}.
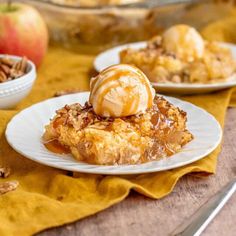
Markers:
{"x": 13, "y": 91}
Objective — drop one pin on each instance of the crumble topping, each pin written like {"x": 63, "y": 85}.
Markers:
{"x": 157, "y": 133}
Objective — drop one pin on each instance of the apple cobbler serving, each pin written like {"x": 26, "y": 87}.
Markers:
{"x": 181, "y": 55}
{"x": 123, "y": 122}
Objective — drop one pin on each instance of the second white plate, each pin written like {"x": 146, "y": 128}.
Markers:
{"x": 111, "y": 57}
{"x": 25, "y": 130}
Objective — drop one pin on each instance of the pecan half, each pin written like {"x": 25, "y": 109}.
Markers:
{"x": 4, "y": 172}
{"x": 8, "y": 186}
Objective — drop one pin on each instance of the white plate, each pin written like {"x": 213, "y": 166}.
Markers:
{"x": 111, "y": 57}
{"x": 25, "y": 130}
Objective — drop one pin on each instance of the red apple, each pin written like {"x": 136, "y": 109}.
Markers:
{"x": 23, "y": 32}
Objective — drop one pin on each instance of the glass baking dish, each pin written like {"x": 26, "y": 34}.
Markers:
{"x": 93, "y": 29}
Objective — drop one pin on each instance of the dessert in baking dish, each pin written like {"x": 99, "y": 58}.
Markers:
{"x": 181, "y": 55}
{"x": 123, "y": 122}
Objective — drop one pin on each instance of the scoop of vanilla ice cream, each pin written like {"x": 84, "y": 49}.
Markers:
{"x": 120, "y": 90}
{"x": 184, "y": 41}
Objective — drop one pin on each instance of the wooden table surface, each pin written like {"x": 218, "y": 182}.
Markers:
{"x": 139, "y": 215}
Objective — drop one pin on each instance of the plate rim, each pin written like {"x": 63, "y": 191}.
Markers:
{"x": 119, "y": 172}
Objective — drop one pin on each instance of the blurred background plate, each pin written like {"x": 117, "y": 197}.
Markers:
{"x": 111, "y": 57}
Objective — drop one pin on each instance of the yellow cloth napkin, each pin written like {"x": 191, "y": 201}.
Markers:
{"x": 49, "y": 197}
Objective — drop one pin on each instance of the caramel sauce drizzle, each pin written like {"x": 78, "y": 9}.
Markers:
{"x": 134, "y": 99}
{"x": 93, "y": 82}
{"x": 114, "y": 77}
{"x": 56, "y": 147}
